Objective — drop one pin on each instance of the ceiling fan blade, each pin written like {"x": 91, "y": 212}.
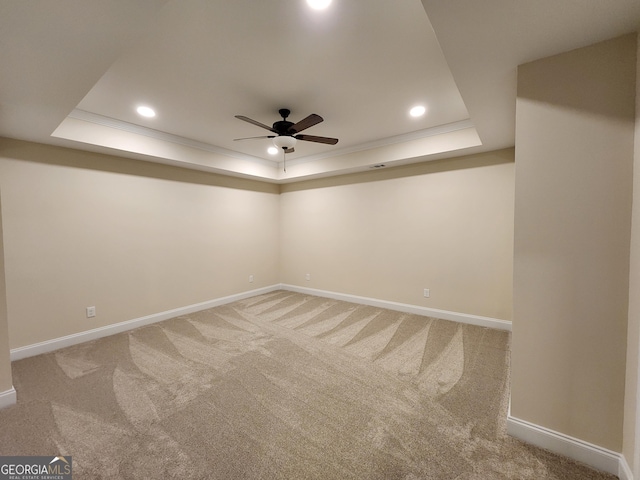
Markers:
{"x": 249, "y": 138}
{"x": 305, "y": 123}
{"x": 312, "y": 138}
{"x": 289, "y": 150}
{"x": 255, "y": 122}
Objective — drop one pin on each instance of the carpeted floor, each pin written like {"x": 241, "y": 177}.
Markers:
{"x": 280, "y": 386}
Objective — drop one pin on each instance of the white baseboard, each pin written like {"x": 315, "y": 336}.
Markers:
{"x": 624, "y": 472}
{"x": 93, "y": 334}
{"x": 587, "y": 453}
{"x": 406, "y": 308}
{"x": 7, "y": 398}
{"x": 592, "y": 455}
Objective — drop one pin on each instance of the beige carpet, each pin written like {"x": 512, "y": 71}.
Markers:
{"x": 279, "y": 386}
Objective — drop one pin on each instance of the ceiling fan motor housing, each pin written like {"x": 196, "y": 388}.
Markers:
{"x": 282, "y": 126}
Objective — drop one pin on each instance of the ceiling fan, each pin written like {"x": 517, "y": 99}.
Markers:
{"x": 287, "y": 133}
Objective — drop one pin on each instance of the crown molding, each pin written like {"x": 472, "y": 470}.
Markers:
{"x": 110, "y": 122}
{"x": 405, "y": 137}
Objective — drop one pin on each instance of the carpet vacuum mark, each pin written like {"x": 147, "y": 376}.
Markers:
{"x": 280, "y": 386}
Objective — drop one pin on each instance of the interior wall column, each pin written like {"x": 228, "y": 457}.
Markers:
{"x": 575, "y": 120}
{"x": 631, "y": 447}
{"x": 7, "y": 392}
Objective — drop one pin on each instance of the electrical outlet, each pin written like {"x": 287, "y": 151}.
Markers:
{"x": 91, "y": 312}
{"x": 427, "y": 294}
{"x": 307, "y": 277}
{"x": 250, "y": 278}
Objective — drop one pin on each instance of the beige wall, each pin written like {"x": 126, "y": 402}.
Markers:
{"x": 631, "y": 428}
{"x": 5, "y": 364}
{"x": 133, "y": 238}
{"x": 388, "y": 234}
{"x": 128, "y": 237}
{"x": 574, "y": 158}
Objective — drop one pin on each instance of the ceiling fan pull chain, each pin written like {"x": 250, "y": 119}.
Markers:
{"x": 284, "y": 160}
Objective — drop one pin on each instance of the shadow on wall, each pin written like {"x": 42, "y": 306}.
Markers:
{"x": 50, "y": 155}
{"x": 558, "y": 82}
{"x": 477, "y": 160}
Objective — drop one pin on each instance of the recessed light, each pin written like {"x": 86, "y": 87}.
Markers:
{"x": 272, "y": 150}
{"x": 417, "y": 111}
{"x": 146, "y": 111}
{"x": 319, "y": 4}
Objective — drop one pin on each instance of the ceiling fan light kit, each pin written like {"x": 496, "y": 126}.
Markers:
{"x": 285, "y": 142}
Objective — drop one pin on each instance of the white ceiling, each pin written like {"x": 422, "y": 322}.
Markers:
{"x": 73, "y": 72}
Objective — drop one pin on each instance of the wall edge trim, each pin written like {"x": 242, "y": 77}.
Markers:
{"x": 574, "y": 448}
{"x": 95, "y": 333}
{"x": 407, "y": 308}
{"x": 8, "y": 398}
{"x": 624, "y": 471}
